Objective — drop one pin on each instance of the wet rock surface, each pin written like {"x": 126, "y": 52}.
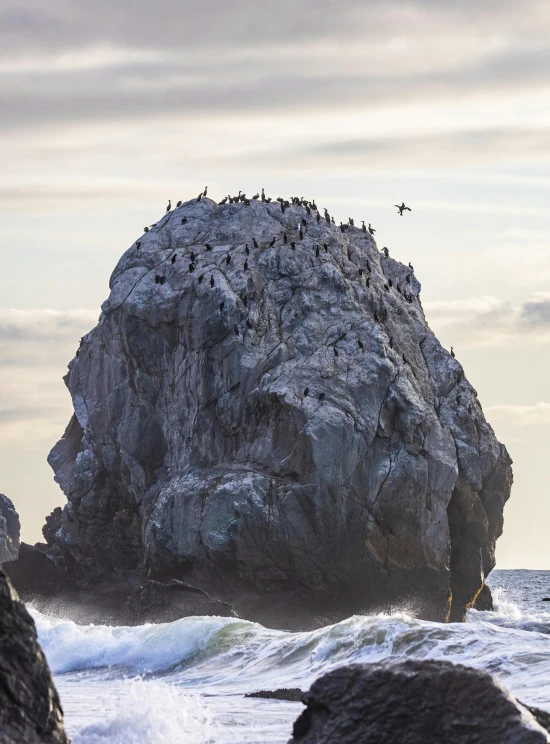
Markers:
{"x": 278, "y": 427}
{"x": 10, "y": 529}
{"x": 30, "y": 711}
{"x": 413, "y": 702}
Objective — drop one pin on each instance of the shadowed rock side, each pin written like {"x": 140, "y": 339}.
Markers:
{"x": 417, "y": 702}
{"x": 9, "y": 530}
{"x": 30, "y": 711}
{"x": 194, "y": 452}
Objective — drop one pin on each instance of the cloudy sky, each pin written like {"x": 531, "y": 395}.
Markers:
{"x": 109, "y": 109}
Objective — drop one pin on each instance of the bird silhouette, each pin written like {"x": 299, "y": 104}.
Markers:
{"x": 401, "y": 208}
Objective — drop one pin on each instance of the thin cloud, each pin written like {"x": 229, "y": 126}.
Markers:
{"x": 522, "y": 415}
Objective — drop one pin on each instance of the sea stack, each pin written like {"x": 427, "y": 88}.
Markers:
{"x": 193, "y": 454}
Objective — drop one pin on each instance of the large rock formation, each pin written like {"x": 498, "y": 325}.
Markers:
{"x": 195, "y": 453}
{"x": 417, "y": 702}
{"x": 10, "y": 529}
{"x": 30, "y": 711}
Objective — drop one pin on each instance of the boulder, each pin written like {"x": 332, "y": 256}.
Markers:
{"x": 413, "y": 702}
{"x": 156, "y": 602}
{"x": 280, "y": 428}
{"x": 30, "y": 710}
{"x": 9, "y": 530}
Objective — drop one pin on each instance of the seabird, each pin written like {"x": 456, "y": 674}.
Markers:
{"x": 236, "y": 329}
{"x": 285, "y": 237}
{"x": 293, "y": 245}
{"x": 304, "y": 221}
{"x": 272, "y": 243}
{"x": 191, "y": 268}
{"x": 145, "y": 229}
{"x": 342, "y": 228}
{"x": 313, "y": 205}
{"x": 335, "y": 351}
{"x": 402, "y": 208}
{"x": 306, "y": 391}
{"x": 208, "y": 246}
{"x": 247, "y": 250}
{"x": 327, "y": 216}
{"x": 205, "y": 191}
{"x": 371, "y": 229}
{"x": 368, "y": 267}
{"x": 411, "y": 267}
{"x": 256, "y": 196}
{"x": 391, "y": 342}
{"x": 367, "y": 282}
{"x": 321, "y": 396}
{"x": 178, "y": 204}
{"x": 228, "y": 259}
{"x": 452, "y": 352}
{"x": 222, "y": 305}
{"x": 386, "y": 288}
{"x": 360, "y": 272}
{"x": 183, "y": 220}
{"x": 359, "y": 343}
{"x": 199, "y": 197}
{"x": 192, "y": 256}
{"x": 263, "y": 195}
{"x": 169, "y": 206}
{"x": 351, "y": 221}
{"x": 301, "y": 233}
{"x": 174, "y": 258}
{"x": 325, "y": 246}
{"x": 318, "y": 218}
{"x": 211, "y": 280}
{"x": 255, "y": 242}
{"x": 201, "y": 277}
{"x": 386, "y": 252}
{"x": 268, "y": 199}
{"x": 138, "y": 244}
{"x": 223, "y": 201}
{"x": 363, "y": 227}
{"x": 246, "y": 265}
{"x": 390, "y": 283}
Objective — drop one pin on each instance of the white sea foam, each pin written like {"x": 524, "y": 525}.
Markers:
{"x": 194, "y": 672}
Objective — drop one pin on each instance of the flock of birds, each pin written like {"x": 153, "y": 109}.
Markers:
{"x": 311, "y": 209}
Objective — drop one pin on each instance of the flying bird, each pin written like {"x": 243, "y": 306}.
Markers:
{"x": 402, "y": 208}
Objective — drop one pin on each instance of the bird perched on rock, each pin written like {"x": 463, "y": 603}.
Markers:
{"x": 313, "y": 205}
{"x": 301, "y": 234}
{"x": 402, "y": 208}
{"x": 222, "y": 305}
{"x": 390, "y": 283}
{"x": 367, "y": 282}
{"x": 256, "y": 196}
{"x": 386, "y": 288}
{"x": 199, "y": 197}
{"x": 246, "y": 265}
{"x": 236, "y": 329}
{"x": 359, "y": 343}
{"x": 411, "y": 267}
{"x": 247, "y": 250}
{"x": 138, "y": 244}
{"x": 360, "y": 272}
{"x": 452, "y": 352}
{"x": 201, "y": 277}
{"x": 363, "y": 226}
{"x": 160, "y": 279}
{"x": 263, "y": 195}
{"x": 285, "y": 237}
{"x": 321, "y": 397}
{"x": 293, "y": 245}
{"x": 191, "y": 268}
{"x": 325, "y": 246}
{"x": 205, "y": 191}
{"x": 192, "y": 256}
{"x": 386, "y": 252}
{"x": 327, "y": 216}
{"x": 174, "y": 258}
{"x": 371, "y": 229}
{"x": 306, "y": 392}
{"x": 228, "y": 259}
{"x": 318, "y": 218}
{"x": 211, "y": 280}
{"x": 183, "y": 220}
{"x": 391, "y": 342}
{"x": 208, "y": 246}
{"x": 304, "y": 221}
{"x": 223, "y": 201}
{"x": 351, "y": 222}
{"x": 169, "y": 206}
{"x": 255, "y": 242}
{"x": 145, "y": 229}
{"x": 272, "y": 243}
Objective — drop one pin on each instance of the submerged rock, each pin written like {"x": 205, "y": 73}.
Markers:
{"x": 30, "y": 711}
{"x": 9, "y": 530}
{"x": 417, "y": 702}
{"x": 281, "y": 429}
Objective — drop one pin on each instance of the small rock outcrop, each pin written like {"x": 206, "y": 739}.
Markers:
{"x": 417, "y": 702}
{"x": 30, "y": 710}
{"x": 263, "y": 411}
{"x": 9, "y": 530}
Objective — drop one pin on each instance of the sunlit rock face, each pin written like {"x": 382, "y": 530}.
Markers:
{"x": 10, "y": 529}
{"x": 195, "y": 453}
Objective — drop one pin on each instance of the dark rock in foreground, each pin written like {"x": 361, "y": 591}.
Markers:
{"x": 9, "y": 530}
{"x": 413, "y": 702}
{"x": 30, "y": 711}
{"x": 281, "y": 429}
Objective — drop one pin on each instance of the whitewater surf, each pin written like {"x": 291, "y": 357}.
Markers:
{"x": 186, "y": 681}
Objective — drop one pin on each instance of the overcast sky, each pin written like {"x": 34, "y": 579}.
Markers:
{"x": 109, "y": 109}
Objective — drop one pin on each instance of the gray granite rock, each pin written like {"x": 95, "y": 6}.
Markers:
{"x": 9, "y": 530}
{"x": 194, "y": 453}
{"x": 30, "y": 711}
{"x": 413, "y": 702}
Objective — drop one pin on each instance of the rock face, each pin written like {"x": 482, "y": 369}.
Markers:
{"x": 9, "y": 530}
{"x": 414, "y": 702}
{"x": 280, "y": 428}
{"x": 30, "y": 711}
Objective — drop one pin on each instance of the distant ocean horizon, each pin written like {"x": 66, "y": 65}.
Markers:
{"x": 186, "y": 680}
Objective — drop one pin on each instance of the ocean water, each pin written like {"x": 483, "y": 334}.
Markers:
{"x": 185, "y": 681}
